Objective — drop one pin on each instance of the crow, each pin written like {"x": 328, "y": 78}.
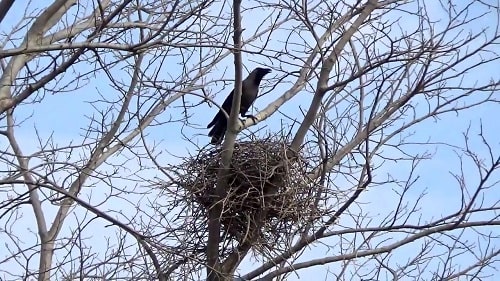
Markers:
{"x": 249, "y": 90}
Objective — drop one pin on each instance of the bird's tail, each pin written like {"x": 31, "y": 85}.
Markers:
{"x": 218, "y": 131}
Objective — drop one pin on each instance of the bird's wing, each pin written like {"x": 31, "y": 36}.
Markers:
{"x": 226, "y": 105}
{"x": 248, "y": 96}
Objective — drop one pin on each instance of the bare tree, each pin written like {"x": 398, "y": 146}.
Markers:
{"x": 374, "y": 148}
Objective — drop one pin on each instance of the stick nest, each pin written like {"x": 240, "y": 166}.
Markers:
{"x": 267, "y": 199}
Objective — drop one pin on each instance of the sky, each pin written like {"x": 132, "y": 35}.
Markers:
{"x": 62, "y": 116}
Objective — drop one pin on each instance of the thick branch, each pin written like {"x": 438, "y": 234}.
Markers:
{"x": 214, "y": 270}
{"x": 325, "y": 74}
{"x": 44, "y": 22}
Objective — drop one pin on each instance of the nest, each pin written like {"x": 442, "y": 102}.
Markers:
{"x": 267, "y": 195}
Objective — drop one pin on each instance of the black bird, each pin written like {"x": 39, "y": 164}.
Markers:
{"x": 249, "y": 90}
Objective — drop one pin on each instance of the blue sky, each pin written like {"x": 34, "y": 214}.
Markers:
{"x": 62, "y": 116}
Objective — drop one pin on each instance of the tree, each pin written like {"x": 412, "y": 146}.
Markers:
{"x": 387, "y": 109}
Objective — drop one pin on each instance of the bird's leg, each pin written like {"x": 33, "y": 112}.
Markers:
{"x": 254, "y": 119}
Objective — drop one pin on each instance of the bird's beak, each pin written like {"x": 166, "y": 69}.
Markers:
{"x": 268, "y": 71}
